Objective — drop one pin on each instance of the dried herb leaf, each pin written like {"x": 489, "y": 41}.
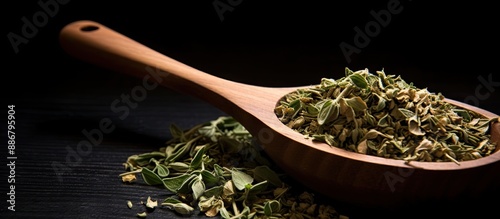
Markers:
{"x": 228, "y": 189}
{"x": 264, "y": 173}
{"x": 170, "y": 200}
{"x": 240, "y": 179}
{"x": 214, "y": 191}
{"x": 162, "y": 170}
{"x": 358, "y": 80}
{"x": 196, "y": 162}
{"x": 181, "y": 208}
{"x": 178, "y": 166}
{"x": 224, "y": 213}
{"x": 198, "y": 188}
{"x": 271, "y": 207}
{"x": 174, "y": 183}
{"x": 186, "y": 185}
{"x": 356, "y": 103}
{"x": 129, "y": 178}
{"x": 209, "y": 178}
{"x": 210, "y": 205}
{"x": 329, "y": 111}
{"x": 414, "y": 126}
{"x": 142, "y": 215}
{"x": 257, "y": 188}
{"x": 150, "y": 177}
{"x": 150, "y": 203}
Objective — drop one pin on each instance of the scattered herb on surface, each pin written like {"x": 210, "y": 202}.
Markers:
{"x": 217, "y": 169}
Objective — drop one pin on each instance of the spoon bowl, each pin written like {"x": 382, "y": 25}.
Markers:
{"x": 344, "y": 176}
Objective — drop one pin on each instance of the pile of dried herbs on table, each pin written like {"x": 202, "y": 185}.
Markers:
{"x": 382, "y": 115}
{"x": 216, "y": 169}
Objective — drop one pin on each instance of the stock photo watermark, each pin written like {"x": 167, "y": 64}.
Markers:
{"x": 11, "y": 157}
{"x": 94, "y": 137}
{"x": 221, "y": 7}
{"x": 362, "y": 37}
{"x": 32, "y": 24}
{"x": 392, "y": 178}
{"x": 483, "y": 90}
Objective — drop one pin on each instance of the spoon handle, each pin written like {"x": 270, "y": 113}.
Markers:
{"x": 102, "y": 46}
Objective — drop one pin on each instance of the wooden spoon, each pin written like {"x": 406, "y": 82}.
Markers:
{"x": 342, "y": 175}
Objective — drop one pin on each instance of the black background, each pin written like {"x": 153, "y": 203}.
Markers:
{"x": 444, "y": 47}
{"x": 433, "y": 45}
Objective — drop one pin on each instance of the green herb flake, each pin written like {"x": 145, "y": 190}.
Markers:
{"x": 150, "y": 203}
{"x": 142, "y": 215}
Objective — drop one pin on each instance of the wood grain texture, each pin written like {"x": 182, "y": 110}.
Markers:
{"x": 342, "y": 175}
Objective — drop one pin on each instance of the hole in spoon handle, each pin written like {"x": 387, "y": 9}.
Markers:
{"x": 89, "y": 28}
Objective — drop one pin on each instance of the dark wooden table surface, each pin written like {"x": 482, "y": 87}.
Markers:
{"x": 446, "y": 48}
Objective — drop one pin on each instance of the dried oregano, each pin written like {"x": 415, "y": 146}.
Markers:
{"x": 382, "y": 115}
{"x": 217, "y": 169}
